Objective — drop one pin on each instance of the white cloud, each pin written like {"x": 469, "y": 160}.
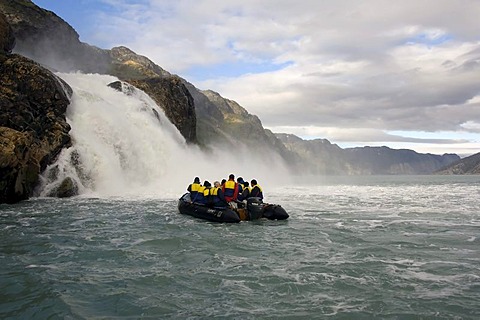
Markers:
{"x": 380, "y": 65}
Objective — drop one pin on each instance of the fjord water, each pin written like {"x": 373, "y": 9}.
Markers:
{"x": 397, "y": 247}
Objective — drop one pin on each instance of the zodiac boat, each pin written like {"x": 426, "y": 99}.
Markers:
{"x": 254, "y": 209}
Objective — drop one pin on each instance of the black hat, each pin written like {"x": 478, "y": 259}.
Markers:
{"x": 207, "y": 184}
{"x": 197, "y": 180}
{"x": 231, "y": 176}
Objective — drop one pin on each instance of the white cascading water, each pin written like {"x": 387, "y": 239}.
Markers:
{"x": 121, "y": 147}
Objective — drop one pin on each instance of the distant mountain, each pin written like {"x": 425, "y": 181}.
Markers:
{"x": 319, "y": 156}
{"x": 468, "y": 165}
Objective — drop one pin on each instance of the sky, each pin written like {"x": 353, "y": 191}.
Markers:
{"x": 402, "y": 74}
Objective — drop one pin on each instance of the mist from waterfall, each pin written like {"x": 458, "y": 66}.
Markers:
{"x": 124, "y": 145}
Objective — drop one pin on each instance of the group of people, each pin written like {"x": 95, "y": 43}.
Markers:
{"x": 228, "y": 192}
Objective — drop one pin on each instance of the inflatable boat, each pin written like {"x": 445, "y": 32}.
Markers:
{"x": 254, "y": 209}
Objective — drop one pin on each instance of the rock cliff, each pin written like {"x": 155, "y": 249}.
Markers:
{"x": 33, "y": 129}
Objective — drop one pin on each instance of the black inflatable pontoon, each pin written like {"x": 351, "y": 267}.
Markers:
{"x": 254, "y": 210}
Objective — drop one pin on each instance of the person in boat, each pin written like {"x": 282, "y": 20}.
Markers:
{"x": 256, "y": 190}
{"x": 203, "y": 194}
{"x": 245, "y": 193}
{"x": 217, "y": 199}
{"x": 240, "y": 183}
{"x": 230, "y": 189}
{"x": 193, "y": 188}
{"x": 223, "y": 182}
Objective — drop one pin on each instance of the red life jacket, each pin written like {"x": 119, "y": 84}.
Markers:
{"x": 230, "y": 190}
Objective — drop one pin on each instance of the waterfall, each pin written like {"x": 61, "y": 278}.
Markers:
{"x": 123, "y": 144}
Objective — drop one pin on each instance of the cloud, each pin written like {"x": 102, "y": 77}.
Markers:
{"x": 382, "y": 65}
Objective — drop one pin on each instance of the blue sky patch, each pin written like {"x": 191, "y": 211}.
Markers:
{"x": 427, "y": 39}
{"x": 232, "y": 69}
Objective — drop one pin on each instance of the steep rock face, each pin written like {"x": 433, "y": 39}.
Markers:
{"x": 224, "y": 122}
{"x": 44, "y": 37}
{"x": 173, "y": 97}
{"x": 7, "y": 39}
{"x": 468, "y": 165}
{"x": 33, "y": 129}
{"x": 126, "y": 64}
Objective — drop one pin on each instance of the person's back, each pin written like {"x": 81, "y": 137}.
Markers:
{"x": 200, "y": 198}
{"x": 240, "y": 183}
{"x": 217, "y": 199}
{"x": 206, "y": 192}
{"x": 194, "y": 187}
{"x": 245, "y": 193}
{"x": 230, "y": 189}
{"x": 256, "y": 190}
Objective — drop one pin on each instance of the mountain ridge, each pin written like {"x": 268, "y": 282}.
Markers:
{"x": 467, "y": 165}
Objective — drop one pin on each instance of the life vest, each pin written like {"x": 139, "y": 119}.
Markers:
{"x": 230, "y": 190}
{"x": 214, "y": 195}
{"x": 193, "y": 188}
{"x": 214, "y": 191}
{"x": 200, "y": 197}
{"x": 206, "y": 194}
{"x": 256, "y": 193}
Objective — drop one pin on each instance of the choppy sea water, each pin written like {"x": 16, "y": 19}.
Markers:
{"x": 353, "y": 248}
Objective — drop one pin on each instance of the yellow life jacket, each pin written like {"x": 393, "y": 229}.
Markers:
{"x": 206, "y": 191}
{"x": 231, "y": 190}
{"x": 214, "y": 191}
{"x": 195, "y": 187}
{"x": 260, "y": 193}
{"x": 200, "y": 196}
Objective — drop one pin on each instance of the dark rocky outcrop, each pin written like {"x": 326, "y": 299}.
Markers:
{"x": 7, "y": 39}
{"x": 173, "y": 97}
{"x": 67, "y": 188}
{"x": 467, "y": 165}
{"x": 33, "y": 129}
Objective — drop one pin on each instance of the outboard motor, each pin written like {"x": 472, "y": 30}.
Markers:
{"x": 255, "y": 208}
{"x": 275, "y": 212}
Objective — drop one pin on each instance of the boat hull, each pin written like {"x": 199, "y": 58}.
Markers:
{"x": 253, "y": 210}
{"x": 211, "y": 214}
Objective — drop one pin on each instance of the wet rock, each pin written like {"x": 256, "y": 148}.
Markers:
{"x": 33, "y": 102}
{"x": 68, "y": 188}
{"x": 7, "y": 40}
{"x": 174, "y": 98}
